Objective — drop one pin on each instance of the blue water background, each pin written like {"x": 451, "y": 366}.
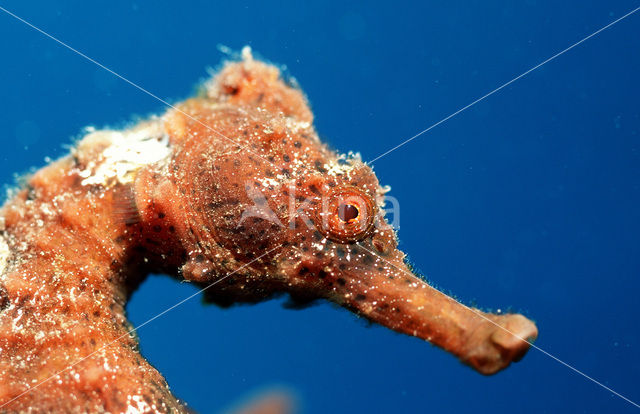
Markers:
{"x": 527, "y": 201}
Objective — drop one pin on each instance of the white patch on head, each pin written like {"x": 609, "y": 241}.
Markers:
{"x": 344, "y": 164}
{"x": 136, "y": 405}
{"x": 266, "y": 182}
{"x": 296, "y": 126}
{"x": 125, "y": 152}
{"x": 246, "y": 53}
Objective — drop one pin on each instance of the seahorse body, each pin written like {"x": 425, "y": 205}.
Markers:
{"x": 232, "y": 189}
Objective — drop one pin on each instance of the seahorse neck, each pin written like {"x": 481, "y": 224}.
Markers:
{"x": 70, "y": 254}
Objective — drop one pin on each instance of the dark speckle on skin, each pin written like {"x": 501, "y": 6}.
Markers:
{"x": 367, "y": 259}
{"x": 4, "y": 298}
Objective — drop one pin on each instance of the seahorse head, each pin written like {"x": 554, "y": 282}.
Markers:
{"x": 254, "y": 204}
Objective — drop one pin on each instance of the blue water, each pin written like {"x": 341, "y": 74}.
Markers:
{"x": 527, "y": 201}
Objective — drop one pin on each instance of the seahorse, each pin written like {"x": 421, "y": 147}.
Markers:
{"x": 231, "y": 190}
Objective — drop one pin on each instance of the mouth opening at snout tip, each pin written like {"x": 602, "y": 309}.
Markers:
{"x": 515, "y": 337}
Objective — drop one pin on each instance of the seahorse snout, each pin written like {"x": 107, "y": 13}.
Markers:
{"x": 391, "y": 295}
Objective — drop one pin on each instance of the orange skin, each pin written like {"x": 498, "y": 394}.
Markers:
{"x": 78, "y": 250}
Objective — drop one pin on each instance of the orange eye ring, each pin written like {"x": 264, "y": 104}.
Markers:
{"x": 347, "y": 214}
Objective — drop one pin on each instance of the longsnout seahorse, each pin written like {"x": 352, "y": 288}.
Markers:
{"x": 231, "y": 190}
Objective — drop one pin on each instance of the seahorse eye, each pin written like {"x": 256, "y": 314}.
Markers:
{"x": 347, "y": 214}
